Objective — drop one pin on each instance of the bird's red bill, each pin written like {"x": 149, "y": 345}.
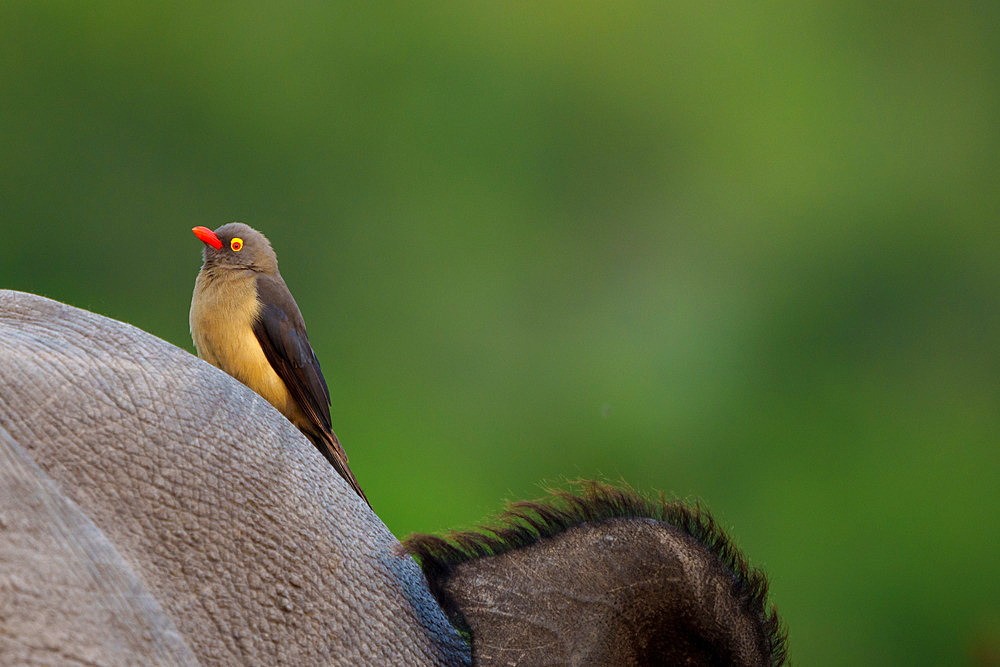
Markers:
{"x": 207, "y": 236}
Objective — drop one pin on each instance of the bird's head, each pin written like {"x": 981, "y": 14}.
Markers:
{"x": 237, "y": 246}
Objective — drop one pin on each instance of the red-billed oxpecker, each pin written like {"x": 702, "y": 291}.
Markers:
{"x": 245, "y": 321}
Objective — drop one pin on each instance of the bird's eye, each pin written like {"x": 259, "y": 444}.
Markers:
{"x": 236, "y": 244}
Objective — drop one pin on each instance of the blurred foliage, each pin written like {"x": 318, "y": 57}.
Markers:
{"x": 741, "y": 253}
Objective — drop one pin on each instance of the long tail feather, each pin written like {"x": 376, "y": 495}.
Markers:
{"x": 334, "y": 453}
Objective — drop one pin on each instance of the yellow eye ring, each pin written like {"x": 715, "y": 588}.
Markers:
{"x": 236, "y": 244}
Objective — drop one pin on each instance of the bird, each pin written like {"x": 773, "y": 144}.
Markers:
{"x": 245, "y": 321}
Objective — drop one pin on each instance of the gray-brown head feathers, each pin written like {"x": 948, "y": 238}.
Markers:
{"x": 604, "y": 576}
{"x": 243, "y": 247}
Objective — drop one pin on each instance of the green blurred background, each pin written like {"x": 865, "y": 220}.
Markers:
{"x": 739, "y": 253}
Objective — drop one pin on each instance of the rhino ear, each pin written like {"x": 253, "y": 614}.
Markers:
{"x": 602, "y": 576}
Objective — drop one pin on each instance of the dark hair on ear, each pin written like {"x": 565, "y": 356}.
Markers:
{"x": 525, "y": 523}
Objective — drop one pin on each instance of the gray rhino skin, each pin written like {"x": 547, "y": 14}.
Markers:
{"x": 155, "y": 511}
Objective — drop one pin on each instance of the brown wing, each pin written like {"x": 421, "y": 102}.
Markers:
{"x": 281, "y": 332}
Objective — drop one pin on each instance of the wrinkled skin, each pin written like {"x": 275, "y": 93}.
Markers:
{"x": 154, "y": 510}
